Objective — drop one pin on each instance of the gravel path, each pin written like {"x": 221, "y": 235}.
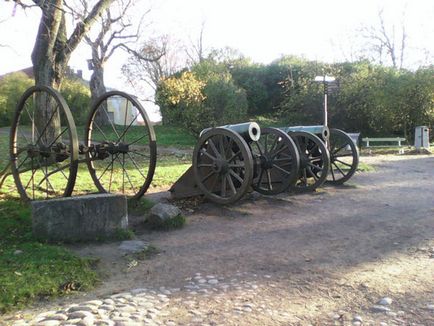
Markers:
{"x": 362, "y": 254}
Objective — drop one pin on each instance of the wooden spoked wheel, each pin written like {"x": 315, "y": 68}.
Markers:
{"x": 120, "y": 145}
{"x": 344, "y": 157}
{"x": 277, "y": 162}
{"x": 314, "y": 161}
{"x": 222, "y": 165}
{"x": 43, "y": 145}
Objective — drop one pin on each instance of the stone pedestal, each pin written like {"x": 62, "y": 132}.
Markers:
{"x": 80, "y": 218}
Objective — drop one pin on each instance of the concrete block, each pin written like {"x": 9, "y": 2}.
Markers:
{"x": 80, "y": 218}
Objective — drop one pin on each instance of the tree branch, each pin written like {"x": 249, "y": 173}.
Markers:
{"x": 83, "y": 27}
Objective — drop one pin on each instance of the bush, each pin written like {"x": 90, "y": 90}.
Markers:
{"x": 77, "y": 95}
{"x": 204, "y": 97}
{"x": 12, "y": 87}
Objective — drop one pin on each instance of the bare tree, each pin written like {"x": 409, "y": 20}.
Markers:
{"x": 158, "y": 58}
{"x": 196, "y": 51}
{"x": 54, "y": 46}
{"x": 386, "y": 43}
{"x": 115, "y": 31}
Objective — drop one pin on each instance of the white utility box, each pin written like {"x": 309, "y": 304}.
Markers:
{"x": 421, "y": 137}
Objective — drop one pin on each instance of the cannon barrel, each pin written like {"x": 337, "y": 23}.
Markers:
{"x": 316, "y": 130}
{"x": 250, "y": 131}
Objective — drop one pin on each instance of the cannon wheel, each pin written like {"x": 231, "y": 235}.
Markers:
{"x": 222, "y": 165}
{"x": 314, "y": 161}
{"x": 278, "y": 162}
{"x": 344, "y": 157}
{"x": 43, "y": 152}
{"x": 121, "y": 149}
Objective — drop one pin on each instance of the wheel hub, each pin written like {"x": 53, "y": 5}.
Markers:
{"x": 32, "y": 151}
{"x": 220, "y": 166}
{"x": 266, "y": 163}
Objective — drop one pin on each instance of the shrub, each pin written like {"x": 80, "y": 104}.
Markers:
{"x": 12, "y": 87}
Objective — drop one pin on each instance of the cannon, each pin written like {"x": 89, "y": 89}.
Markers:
{"x": 326, "y": 155}
{"x": 119, "y": 145}
{"x": 230, "y": 160}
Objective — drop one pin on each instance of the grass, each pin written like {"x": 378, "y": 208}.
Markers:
{"x": 177, "y": 222}
{"x": 30, "y": 270}
{"x": 166, "y": 135}
{"x": 364, "y": 167}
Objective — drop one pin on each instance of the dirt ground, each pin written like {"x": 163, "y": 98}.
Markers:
{"x": 319, "y": 258}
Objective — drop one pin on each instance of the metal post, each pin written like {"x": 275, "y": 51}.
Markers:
{"x": 325, "y": 102}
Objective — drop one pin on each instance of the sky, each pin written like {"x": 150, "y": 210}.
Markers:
{"x": 262, "y": 30}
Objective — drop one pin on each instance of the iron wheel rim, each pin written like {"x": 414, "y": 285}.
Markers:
{"x": 135, "y": 155}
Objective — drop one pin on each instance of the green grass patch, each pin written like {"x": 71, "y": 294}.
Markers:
{"x": 364, "y": 167}
{"x": 140, "y": 206}
{"x": 177, "y": 222}
{"x": 174, "y": 136}
{"x": 166, "y": 135}
{"x": 30, "y": 270}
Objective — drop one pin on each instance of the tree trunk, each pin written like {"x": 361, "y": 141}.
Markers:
{"x": 49, "y": 65}
{"x": 51, "y": 55}
{"x": 97, "y": 88}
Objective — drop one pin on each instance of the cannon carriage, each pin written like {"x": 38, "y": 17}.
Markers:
{"x": 230, "y": 160}
{"x": 120, "y": 152}
{"x": 45, "y": 152}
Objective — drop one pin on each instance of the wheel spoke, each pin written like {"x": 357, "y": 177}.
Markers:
{"x": 234, "y": 156}
{"x": 135, "y": 164}
{"x": 55, "y": 139}
{"x": 270, "y": 186}
{"x": 102, "y": 132}
{"x": 333, "y": 173}
{"x": 239, "y": 165}
{"x": 312, "y": 174}
{"x": 281, "y": 170}
{"x": 279, "y": 151}
{"x": 231, "y": 184}
{"x": 205, "y": 152}
{"x": 205, "y": 165}
{"x": 305, "y": 177}
{"x": 125, "y": 131}
{"x": 111, "y": 122}
{"x": 340, "y": 148}
{"x": 46, "y": 126}
{"x": 223, "y": 187}
{"x": 339, "y": 169}
{"x": 140, "y": 154}
{"x": 208, "y": 176}
{"x": 137, "y": 140}
{"x": 316, "y": 167}
{"x": 222, "y": 148}
{"x": 236, "y": 176}
{"x": 108, "y": 166}
{"x": 125, "y": 174}
{"x": 260, "y": 177}
{"x": 344, "y": 163}
{"x": 213, "y": 147}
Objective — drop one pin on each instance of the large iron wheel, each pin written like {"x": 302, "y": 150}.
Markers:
{"x": 344, "y": 157}
{"x": 43, "y": 145}
{"x": 222, "y": 165}
{"x": 314, "y": 161}
{"x": 277, "y": 162}
{"x": 121, "y": 149}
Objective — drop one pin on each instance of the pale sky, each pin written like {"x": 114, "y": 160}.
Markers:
{"x": 263, "y": 30}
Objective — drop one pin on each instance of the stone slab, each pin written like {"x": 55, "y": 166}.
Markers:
{"x": 80, "y": 218}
